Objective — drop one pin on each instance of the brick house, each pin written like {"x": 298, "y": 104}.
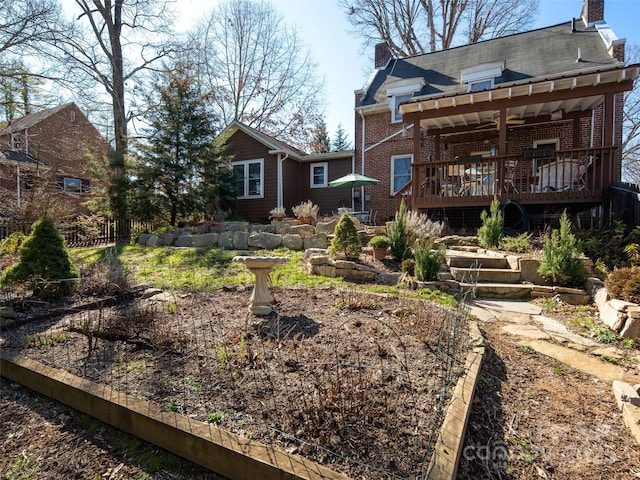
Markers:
{"x": 271, "y": 173}
{"x": 534, "y": 119}
{"x": 47, "y": 151}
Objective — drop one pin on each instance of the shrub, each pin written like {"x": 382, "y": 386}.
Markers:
{"x": 380, "y": 241}
{"x": 420, "y": 225}
{"x": 306, "y": 209}
{"x": 561, "y": 263}
{"x": 397, "y": 233}
{"x": 346, "y": 240}
{"x": 519, "y": 244}
{"x": 408, "y": 265}
{"x": 427, "y": 260}
{"x": 12, "y": 243}
{"x": 491, "y": 231}
{"x": 44, "y": 256}
{"x": 624, "y": 284}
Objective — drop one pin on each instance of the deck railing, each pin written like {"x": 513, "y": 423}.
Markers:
{"x": 577, "y": 176}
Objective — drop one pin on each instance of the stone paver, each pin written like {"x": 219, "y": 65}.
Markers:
{"x": 527, "y": 308}
{"x": 526, "y": 331}
{"x": 582, "y": 361}
{"x": 562, "y": 333}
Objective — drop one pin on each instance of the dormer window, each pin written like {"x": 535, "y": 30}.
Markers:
{"x": 481, "y": 77}
{"x": 399, "y": 92}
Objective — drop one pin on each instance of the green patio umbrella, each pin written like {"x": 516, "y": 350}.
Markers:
{"x": 353, "y": 180}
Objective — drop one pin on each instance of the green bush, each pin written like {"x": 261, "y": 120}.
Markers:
{"x": 397, "y": 234}
{"x": 44, "y": 261}
{"x": 491, "y": 231}
{"x": 380, "y": 241}
{"x": 561, "y": 262}
{"x": 346, "y": 240}
{"x": 519, "y": 244}
{"x": 624, "y": 284}
{"x": 409, "y": 266}
{"x": 11, "y": 244}
{"x": 427, "y": 260}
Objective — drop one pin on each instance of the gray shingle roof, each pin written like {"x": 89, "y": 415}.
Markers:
{"x": 18, "y": 156}
{"x": 535, "y": 54}
{"x": 32, "y": 119}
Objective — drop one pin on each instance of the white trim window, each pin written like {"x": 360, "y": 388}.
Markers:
{"x": 482, "y": 76}
{"x": 248, "y": 178}
{"x": 400, "y": 172}
{"x": 547, "y": 146}
{"x": 394, "y": 105}
{"x": 318, "y": 174}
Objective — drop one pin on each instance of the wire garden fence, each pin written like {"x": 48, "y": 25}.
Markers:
{"x": 353, "y": 380}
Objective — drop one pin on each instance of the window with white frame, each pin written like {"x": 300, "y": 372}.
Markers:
{"x": 400, "y": 172}
{"x": 248, "y": 178}
{"x": 318, "y": 173}
{"x": 482, "y": 76}
{"x": 394, "y": 104}
{"x": 544, "y": 152}
{"x": 399, "y": 91}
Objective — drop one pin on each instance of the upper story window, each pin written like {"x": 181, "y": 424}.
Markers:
{"x": 248, "y": 178}
{"x": 482, "y": 76}
{"x": 73, "y": 185}
{"x": 318, "y": 175}
{"x": 400, "y": 172}
{"x": 16, "y": 143}
{"x": 400, "y": 91}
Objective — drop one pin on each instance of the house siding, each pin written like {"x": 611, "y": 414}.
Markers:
{"x": 327, "y": 198}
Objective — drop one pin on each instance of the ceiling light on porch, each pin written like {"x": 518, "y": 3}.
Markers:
{"x": 556, "y": 115}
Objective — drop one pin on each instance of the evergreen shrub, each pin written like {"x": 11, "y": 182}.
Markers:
{"x": 397, "y": 234}
{"x": 561, "y": 262}
{"x": 624, "y": 284}
{"x": 492, "y": 229}
{"x": 346, "y": 240}
{"x": 44, "y": 262}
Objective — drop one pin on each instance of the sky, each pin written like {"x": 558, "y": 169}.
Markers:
{"x": 344, "y": 65}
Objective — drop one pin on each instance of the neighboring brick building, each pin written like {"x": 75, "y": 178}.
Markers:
{"x": 534, "y": 119}
{"x": 48, "y": 151}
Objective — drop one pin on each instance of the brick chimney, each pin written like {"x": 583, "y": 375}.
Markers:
{"x": 592, "y": 11}
{"x": 383, "y": 55}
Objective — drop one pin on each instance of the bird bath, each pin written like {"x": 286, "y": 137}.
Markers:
{"x": 261, "y": 298}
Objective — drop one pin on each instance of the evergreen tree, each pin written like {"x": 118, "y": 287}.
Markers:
{"x": 341, "y": 142}
{"x": 45, "y": 261}
{"x": 177, "y": 167}
{"x": 320, "y": 143}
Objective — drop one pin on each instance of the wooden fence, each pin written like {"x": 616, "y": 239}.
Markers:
{"x": 88, "y": 232}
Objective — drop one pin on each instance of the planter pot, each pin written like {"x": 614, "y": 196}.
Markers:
{"x": 305, "y": 220}
{"x": 379, "y": 252}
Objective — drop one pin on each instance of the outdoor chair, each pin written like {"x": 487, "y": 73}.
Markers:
{"x": 372, "y": 217}
{"x": 510, "y": 175}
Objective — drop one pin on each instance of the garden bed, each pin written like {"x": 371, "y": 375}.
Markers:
{"x": 355, "y": 381}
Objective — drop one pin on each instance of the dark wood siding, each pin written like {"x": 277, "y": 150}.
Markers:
{"x": 327, "y": 198}
{"x": 244, "y": 147}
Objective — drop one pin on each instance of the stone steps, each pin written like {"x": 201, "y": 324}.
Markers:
{"x": 482, "y": 274}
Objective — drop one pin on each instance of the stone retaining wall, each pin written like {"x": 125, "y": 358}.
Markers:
{"x": 620, "y": 316}
{"x": 245, "y": 236}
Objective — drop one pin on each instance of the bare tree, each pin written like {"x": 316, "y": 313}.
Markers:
{"x": 412, "y": 27}
{"x": 113, "y": 43}
{"x": 631, "y": 125}
{"x": 257, "y": 70}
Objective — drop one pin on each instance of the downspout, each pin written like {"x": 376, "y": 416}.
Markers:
{"x": 279, "y": 193}
{"x": 362, "y": 161}
{"x": 18, "y": 183}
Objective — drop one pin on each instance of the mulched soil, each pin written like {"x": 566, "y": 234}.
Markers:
{"x": 534, "y": 417}
{"x": 334, "y": 375}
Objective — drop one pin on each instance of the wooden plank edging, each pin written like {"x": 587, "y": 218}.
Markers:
{"x": 450, "y": 441}
{"x": 220, "y": 451}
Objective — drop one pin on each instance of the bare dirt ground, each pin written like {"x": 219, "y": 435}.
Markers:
{"x": 532, "y": 416}
{"x": 349, "y": 379}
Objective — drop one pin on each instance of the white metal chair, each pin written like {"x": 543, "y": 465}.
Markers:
{"x": 372, "y": 217}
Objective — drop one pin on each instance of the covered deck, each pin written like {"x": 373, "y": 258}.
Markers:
{"x": 576, "y": 176}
